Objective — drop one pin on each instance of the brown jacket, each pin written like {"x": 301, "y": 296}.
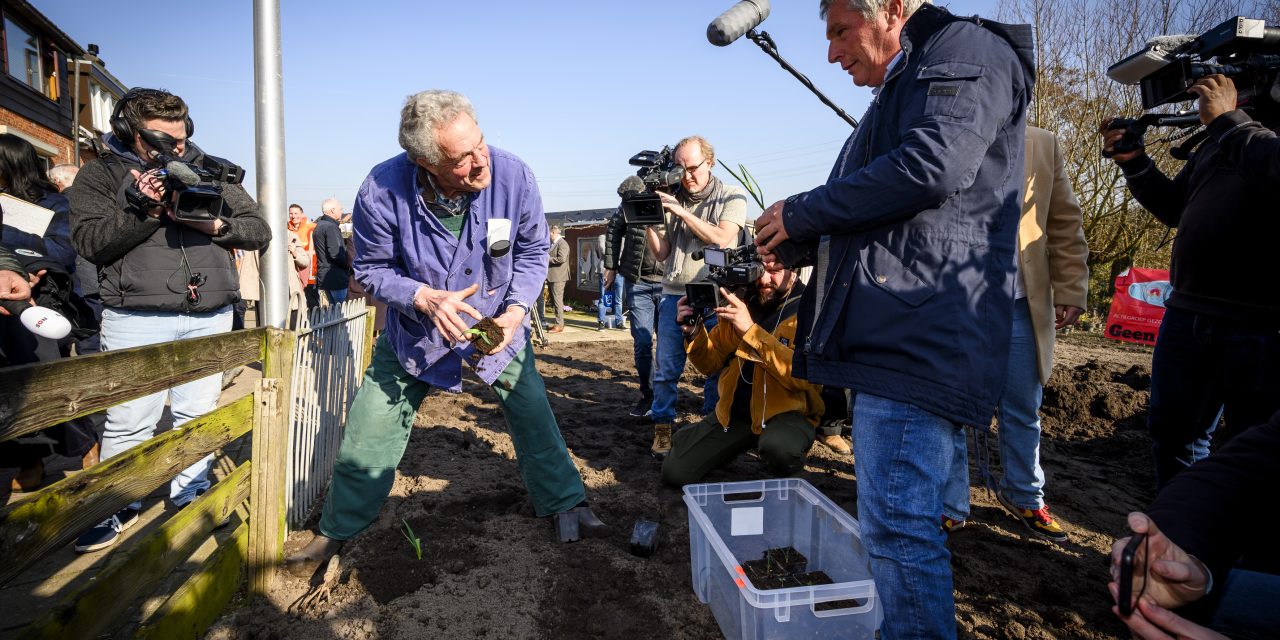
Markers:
{"x": 1051, "y": 242}
{"x": 773, "y": 389}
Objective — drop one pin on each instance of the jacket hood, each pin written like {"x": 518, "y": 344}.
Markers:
{"x": 929, "y": 18}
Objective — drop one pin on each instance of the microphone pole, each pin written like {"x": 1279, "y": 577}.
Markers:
{"x": 766, "y": 43}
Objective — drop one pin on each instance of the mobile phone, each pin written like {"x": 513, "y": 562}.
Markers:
{"x": 1128, "y": 558}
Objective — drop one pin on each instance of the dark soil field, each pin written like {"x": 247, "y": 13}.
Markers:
{"x": 491, "y": 569}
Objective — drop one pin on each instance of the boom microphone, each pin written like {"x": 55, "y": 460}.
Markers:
{"x": 632, "y": 184}
{"x": 41, "y": 321}
{"x": 737, "y": 21}
{"x": 183, "y": 173}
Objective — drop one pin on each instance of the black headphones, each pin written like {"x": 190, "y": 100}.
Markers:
{"x": 123, "y": 129}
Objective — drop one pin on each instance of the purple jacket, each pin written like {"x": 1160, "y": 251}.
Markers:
{"x": 401, "y": 245}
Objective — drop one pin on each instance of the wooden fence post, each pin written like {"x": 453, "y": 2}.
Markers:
{"x": 266, "y": 497}
{"x": 370, "y": 323}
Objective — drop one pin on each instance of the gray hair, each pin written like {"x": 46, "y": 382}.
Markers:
{"x": 871, "y": 8}
{"x": 62, "y": 175}
{"x": 425, "y": 112}
{"x": 328, "y": 205}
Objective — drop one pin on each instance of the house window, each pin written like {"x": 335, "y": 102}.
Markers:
{"x": 101, "y": 104}
{"x": 23, "y": 55}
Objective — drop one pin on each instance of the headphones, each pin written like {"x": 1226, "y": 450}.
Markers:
{"x": 123, "y": 128}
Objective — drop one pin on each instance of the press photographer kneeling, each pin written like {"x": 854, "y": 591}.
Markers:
{"x": 760, "y": 404}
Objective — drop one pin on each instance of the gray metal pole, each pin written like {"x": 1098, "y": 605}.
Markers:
{"x": 75, "y": 113}
{"x": 273, "y": 308}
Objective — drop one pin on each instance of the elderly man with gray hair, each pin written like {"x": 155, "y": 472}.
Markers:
{"x": 448, "y": 234}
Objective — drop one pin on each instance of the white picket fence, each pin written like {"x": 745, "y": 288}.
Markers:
{"x": 327, "y": 368}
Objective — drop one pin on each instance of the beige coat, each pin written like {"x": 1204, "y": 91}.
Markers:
{"x": 250, "y": 274}
{"x": 1051, "y": 242}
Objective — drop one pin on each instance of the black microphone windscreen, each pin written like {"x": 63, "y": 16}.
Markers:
{"x": 631, "y": 183}
{"x": 183, "y": 173}
{"x": 737, "y": 21}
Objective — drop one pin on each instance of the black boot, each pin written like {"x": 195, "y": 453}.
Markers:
{"x": 578, "y": 522}
{"x": 306, "y": 562}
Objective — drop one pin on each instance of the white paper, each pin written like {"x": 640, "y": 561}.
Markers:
{"x": 499, "y": 230}
{"x": 747, "y": 521}
{"x": 24, "y": 216}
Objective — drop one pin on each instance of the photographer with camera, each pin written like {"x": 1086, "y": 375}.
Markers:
{"x": 164, "y": 266}
{"x": 761, "y": 404}
{"x": 700, "y": 211}
{"x": 627, "y": 255}
{"x": 1219, "y": 344}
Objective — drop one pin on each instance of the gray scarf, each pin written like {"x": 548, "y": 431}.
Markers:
{"x": 708, "y": 205}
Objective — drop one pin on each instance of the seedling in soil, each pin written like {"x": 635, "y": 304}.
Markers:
{"x": 486, "y": 335}
{"x": 414, "y": 540}
{"x": 786, "y": 560}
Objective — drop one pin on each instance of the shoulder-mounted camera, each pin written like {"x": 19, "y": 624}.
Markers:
{"x": 196, "y": 186}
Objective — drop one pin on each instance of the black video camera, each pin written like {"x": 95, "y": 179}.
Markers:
{"x": 659, "y": 172}
{"x": 196, "y": 188}
{"x": 734, "y": 269}
{"x": 1245, "y": 50}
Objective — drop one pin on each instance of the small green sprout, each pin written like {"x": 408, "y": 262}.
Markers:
{"x": 413, "y": 538}
{"x": 479, "y": 334}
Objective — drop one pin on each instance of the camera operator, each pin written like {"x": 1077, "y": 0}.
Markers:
{"x": 1218, "y": 346}
{"x": 1196, "y": 531}
{"x": 160, "y": 278}
{"x": 760, "y": 404}
{"x": 702, "y": 211}
{"x": 627, "y": 254}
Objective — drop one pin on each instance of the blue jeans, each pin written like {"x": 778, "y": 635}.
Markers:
{"x": 671, "y": 358}
{"x": 134, "y": 422}
{"x": 901, "y": 456}
{"x": 618, "y": 285}
{"x": 1247, "y": 606}
{"x": 1203, "y": 365}
{"x": 334, "y": 296}
{"x": 1019, "y": 433}
{"x": 643, "y": 299}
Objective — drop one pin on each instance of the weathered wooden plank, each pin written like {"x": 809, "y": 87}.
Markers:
{"x": 195, "y": 605}
{"x": 36, "y": 396}
{"x": 95, "y": 607}
{"x": 370, "y": 323}
{"x": 266, "y": 501}
{"x": 58, "y": 513}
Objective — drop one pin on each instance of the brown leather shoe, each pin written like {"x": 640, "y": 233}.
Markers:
{"x": 29, "y": 477}
{"x": 91, "y": 457}
{"x": 559, "y": 328}
{"x": 661, "y": 440}
{"x": 307, "y": 561}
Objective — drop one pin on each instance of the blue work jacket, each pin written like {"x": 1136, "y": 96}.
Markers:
{"x": 920, "y": 219}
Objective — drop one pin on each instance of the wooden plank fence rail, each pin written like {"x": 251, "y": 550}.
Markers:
{"x": 33, "y": 527}
{"x": 93, "y": 608}
{"x": 198, "y": 602}
{"x": 33, "y": 397}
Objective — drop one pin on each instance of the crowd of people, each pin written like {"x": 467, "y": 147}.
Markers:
{"x": 913, "y": 296}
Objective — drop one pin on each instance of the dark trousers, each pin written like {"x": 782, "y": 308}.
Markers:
{"x": 1203, "y": 365}
{"x": 699, "y": 448}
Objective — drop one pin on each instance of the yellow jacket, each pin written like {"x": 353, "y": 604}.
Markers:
{"x": 773, "y": 390}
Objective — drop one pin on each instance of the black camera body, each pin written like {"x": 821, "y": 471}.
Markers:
{"x": 1246, "y": 50}
{"x": 196, "y": 188}
{"x": 734, "y": 269}
{"x": 659, "y": 172}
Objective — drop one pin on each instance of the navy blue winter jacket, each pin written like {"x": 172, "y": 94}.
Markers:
{"x": 921, "y": 213}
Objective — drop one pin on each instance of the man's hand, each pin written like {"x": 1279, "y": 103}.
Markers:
{"x": 13, "y": 286}
{"x": 33, "y": 279}
{"x": 1150, "y": 621}
{"x": 770, "y": 232}
{"x": 735, "y": 313}
{"x": 609, "y": 276}
{"x": 1109, "y": 139}
{"x": 510, "y": 321}
{"x": 443, "y": 308}
{"x": 673, "y": 206}
{"x": 1217, "y": 96}
{"x": 152, "y": 186}
{"x": 683, "y": 313}
{"x": 1173, "y": 578}
{"x": 1065, "y": 315}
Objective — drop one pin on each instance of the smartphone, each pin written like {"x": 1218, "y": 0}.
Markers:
{"x": 1128, "y": 558}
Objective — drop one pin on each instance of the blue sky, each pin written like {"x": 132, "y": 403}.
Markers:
{"x": 574, "y": 87}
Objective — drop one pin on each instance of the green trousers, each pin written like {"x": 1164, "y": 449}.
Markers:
{"x": 697, "y": 449}
{"x": 381, "y": 419}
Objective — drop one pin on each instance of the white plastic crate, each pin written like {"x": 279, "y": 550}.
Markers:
{"x": 735, "y": 522}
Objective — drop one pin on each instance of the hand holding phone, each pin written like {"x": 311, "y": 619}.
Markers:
{"x": 1132, "y": 559}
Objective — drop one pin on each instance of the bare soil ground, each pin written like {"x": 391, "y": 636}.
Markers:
{"x": 491, "y": 569}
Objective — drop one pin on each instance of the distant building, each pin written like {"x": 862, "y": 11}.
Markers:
{"x": 40, "y": 99}
{"x": 583, "y": 230}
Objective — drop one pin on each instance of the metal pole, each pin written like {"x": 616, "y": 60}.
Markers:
{"x": 75, "y": 112}
{"x": 273, "y": 305}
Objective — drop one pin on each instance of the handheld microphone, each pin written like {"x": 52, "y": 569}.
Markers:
{"x": 41, "y": 321}
{"x": 737, "y": 21}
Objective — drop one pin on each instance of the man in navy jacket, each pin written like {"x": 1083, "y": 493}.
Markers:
{"x": 914, "y": 239}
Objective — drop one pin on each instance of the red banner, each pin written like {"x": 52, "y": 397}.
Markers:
{"x": 1138, "y": 306}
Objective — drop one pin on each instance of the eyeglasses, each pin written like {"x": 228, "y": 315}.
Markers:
{"x": 688, "y": 171}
